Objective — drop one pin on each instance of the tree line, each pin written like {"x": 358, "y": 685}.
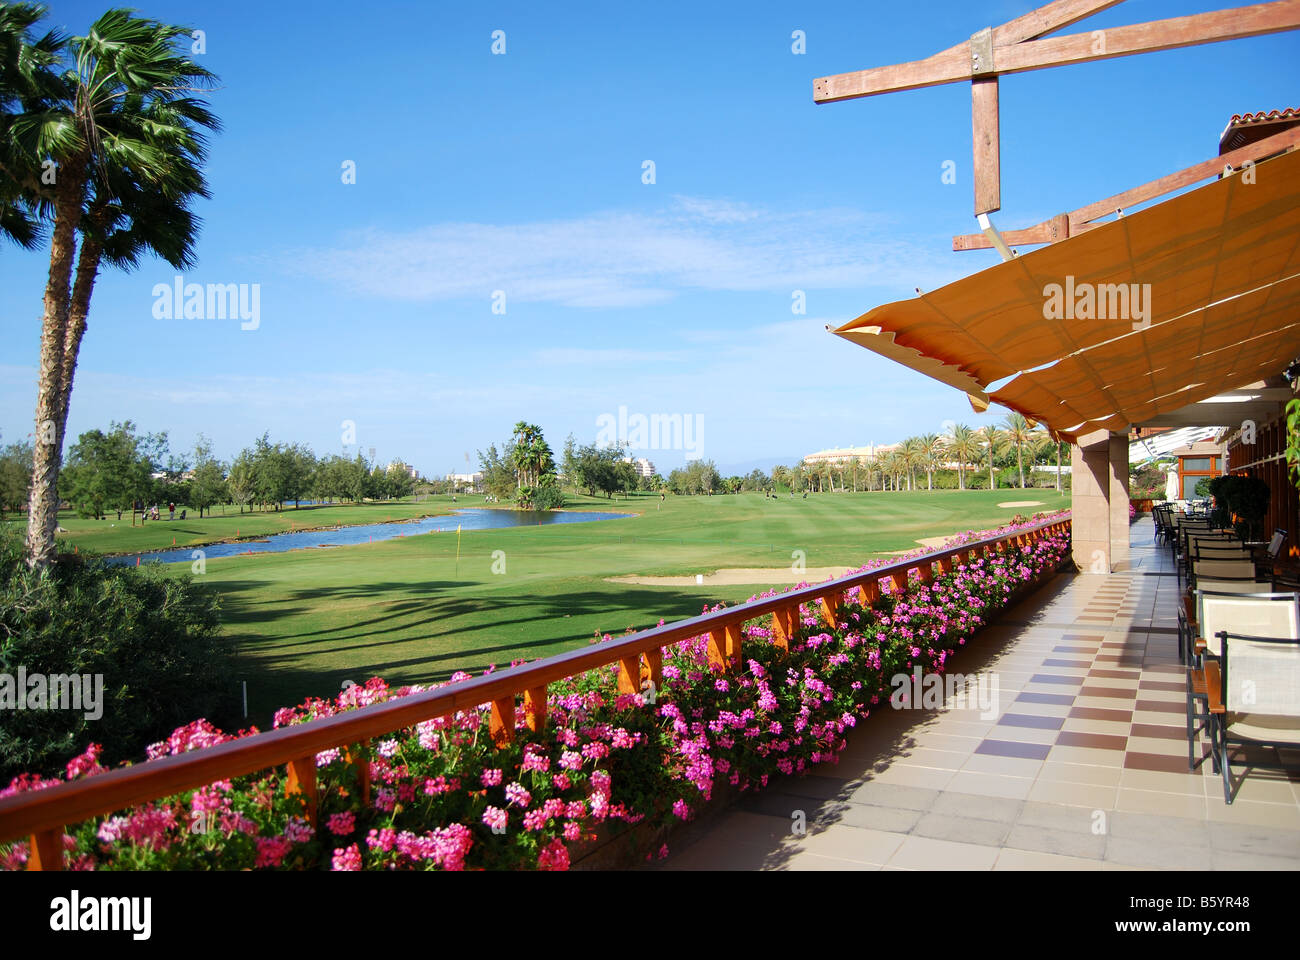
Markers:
{"x": 117, "y": 469}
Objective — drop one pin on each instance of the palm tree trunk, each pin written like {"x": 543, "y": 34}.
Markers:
{"x": 1020, "y": 461}
{"x": 1058, "y": 466}
{"x": 88, "y": 260}
{"x": 47, "y": 450}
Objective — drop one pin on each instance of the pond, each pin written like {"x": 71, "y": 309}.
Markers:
{"x": 468, "y": 519}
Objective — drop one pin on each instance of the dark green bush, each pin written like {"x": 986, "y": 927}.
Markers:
{"x": 154, "y": 638}
{"x": 1241, "y": 502}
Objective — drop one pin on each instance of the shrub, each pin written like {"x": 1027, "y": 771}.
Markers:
{"x": 547, "y": 495}
{"x": 1240, "y": 501}
{"x": 153, "y": 638}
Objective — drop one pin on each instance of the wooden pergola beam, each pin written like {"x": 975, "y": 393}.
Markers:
{"x": 1034, "y": 52}
{"x": 1069, "y": 224}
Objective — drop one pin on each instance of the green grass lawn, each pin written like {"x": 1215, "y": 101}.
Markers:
{"x": 408, "y": 611}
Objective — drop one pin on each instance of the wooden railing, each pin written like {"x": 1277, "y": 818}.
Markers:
{"x": 42, "y": 814}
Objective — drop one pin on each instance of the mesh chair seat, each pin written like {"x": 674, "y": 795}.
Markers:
{"x": 1264, "y": 728}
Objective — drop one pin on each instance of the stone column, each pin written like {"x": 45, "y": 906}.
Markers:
{"x": 1099, "y": 494}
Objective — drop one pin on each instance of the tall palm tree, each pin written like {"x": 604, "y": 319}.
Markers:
{"x": 896, "y": 466}
{"x": 120, "y": 129}
{"x": 930, "y": 457}
{"x": 871, "y": 463}
{"x": 1018, "y": 433}
{"x": 990, "y": 438}
{"x": 1039, "y": 445}
{"x": 28, "y": 87}
{"x": 965, "y": 447}
{"x": 913, "y": 453}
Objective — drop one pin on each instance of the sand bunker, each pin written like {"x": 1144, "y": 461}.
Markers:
{"x": 731, "y": 576}
{"x": 1021, "y": 503}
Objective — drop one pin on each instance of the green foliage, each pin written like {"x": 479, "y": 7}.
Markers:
{"x": 697, "y": 477}
{"x": 15, "y": 476}
{"x": 154, "y": 638}
{"x": 209, "y": 483}
{"x": 1293, "y": 439}
{"x": 1241, "y": 502}
{"x": 548, "y": 495}
{"x": 498, "y": 470}
{"x": 111, "y": 470}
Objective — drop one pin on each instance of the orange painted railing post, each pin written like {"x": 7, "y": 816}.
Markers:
{"x": 501, "y": 725}
{"x": 629, "y": 674}
{"x": 535, "y": 708}
{"x": 654, "y": 661}
{"x": 47, "y": 850}
{"x": 302, "y": 779}
{"x": 783, "y": 628}
{"x": 830, "y": 604}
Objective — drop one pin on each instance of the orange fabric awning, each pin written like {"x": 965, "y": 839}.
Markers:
{"x": 1216, "y": 272}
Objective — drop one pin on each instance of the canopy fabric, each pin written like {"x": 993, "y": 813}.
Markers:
{"x": 1222, "y": 309}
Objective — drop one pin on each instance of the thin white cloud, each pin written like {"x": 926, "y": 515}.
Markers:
{"x": 620, "y": 259}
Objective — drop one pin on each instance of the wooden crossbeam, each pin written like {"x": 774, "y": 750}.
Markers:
{"x": 1069, "y": 224}
{"x": 1034, "y": 52}
{"x": 1022, "y": 45}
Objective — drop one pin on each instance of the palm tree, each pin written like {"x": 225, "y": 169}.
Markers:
{"x": 913, "y": 454}
{"x": 931, "y": 455}
{"x": 1018, "y": 433}
{"x": 990, "y": 437}
{"x": 28, "y": 86}
{"x": 892, "y": 465}
{"x": 123, "y": 138}
{"x": 871, "y": 463}
{"x": 964, "y": 445}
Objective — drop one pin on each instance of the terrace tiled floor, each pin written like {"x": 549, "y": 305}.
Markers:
{"x": 1083, "y": 767}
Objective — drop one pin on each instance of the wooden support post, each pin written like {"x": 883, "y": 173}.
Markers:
{"x": 830, "y": 602}
{"x": 502, "y": 724}
{"x": 783, "y": 626}
{"x": 717, "y": 649}
{"x": 629, "y": 674}
{"x": 870, "y": 592}
{"x": 984, "y": 128}
{"x": 945, "y": 566}
{"x": 926, "y": 570}
{"x": 535, "y": 708}
{"x": 302, "y": 779}
{"x": 654, "y": 661}
{"x": 47, "y": 850}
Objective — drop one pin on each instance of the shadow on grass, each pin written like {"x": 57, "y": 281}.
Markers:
{"x": 418, "y": 635}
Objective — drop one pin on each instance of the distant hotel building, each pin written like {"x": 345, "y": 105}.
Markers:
{"x": 845, "y": 454}
{"x": 467, "y": 481}
{"x": 644, "y": 468}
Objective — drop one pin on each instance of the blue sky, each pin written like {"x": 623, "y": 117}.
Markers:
{"x": 523, "y": 173}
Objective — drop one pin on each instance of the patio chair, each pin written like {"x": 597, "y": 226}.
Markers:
{"x": 1222, "y": 570}
{"x": 1188, "y": 615}
{"x": 1260, "y": 614}
{"x": 1253, "y": 699}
